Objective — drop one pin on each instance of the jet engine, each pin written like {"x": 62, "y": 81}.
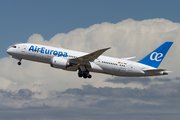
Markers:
{"x": 58, "y": 62}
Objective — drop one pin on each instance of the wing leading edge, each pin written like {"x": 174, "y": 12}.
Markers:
{"x": 89, "y": 57}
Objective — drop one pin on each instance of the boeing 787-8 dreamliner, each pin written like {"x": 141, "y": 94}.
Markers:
{"x": 85, "y": 63}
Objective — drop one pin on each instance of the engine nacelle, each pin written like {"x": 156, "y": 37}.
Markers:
{"x": 58, "y": 62}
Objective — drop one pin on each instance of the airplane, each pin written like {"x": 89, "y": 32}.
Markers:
{"x": 85, "y": 63}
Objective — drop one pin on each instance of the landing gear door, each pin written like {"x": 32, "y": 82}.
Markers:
{"x": 23, "y": 49}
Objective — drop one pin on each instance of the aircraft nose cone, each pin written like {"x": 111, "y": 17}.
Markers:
{"x": 9, "y": 51}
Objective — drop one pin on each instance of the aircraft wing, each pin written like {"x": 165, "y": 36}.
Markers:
{"x": 89, "y": 57}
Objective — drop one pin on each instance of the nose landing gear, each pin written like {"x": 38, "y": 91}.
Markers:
{"x": 19, "y": 63}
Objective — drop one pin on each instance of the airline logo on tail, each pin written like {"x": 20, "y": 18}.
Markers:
{"x": 156, "y": 56}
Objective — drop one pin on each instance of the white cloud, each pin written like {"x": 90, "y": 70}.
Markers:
{"x": 126, "y": 38}
{"x": 4, "y": 83}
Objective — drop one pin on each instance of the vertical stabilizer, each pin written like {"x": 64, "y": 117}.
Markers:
{"x": 155, "y": 58}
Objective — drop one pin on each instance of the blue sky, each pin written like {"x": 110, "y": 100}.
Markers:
{"x": 19, "y": 19}
{"x": 37, "y": 91}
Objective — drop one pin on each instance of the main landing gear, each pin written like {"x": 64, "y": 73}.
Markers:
{"x": 83, "y": 72}
{"x": 84, "y": 75}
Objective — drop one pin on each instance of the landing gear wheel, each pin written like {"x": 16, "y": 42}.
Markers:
{"x": 80, "y": 75}
{"x": 19, "y": 63}
{"x": 85, "y": 76}
{"x": 89, "y": 76}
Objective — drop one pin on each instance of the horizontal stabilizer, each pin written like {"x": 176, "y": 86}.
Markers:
{"x": 161, "y": 71}
{"x": 154, "y": 70}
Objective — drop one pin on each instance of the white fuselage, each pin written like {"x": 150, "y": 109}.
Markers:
{"x": 103, "y": 64}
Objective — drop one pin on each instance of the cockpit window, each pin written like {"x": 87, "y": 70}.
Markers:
{"x": 14, "y": 46}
